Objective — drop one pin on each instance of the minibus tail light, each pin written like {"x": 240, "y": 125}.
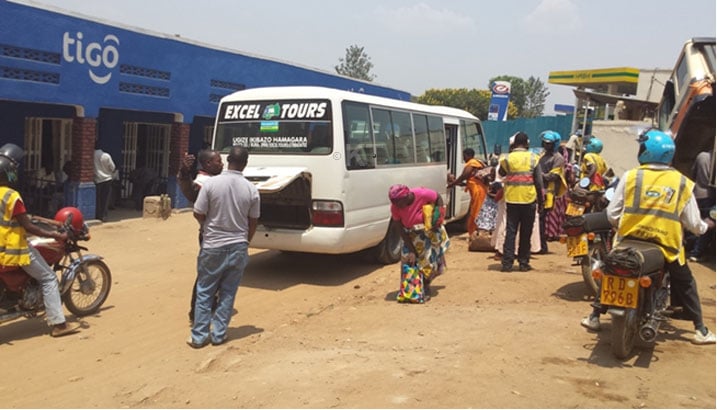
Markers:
{"x": 327, "y": 213}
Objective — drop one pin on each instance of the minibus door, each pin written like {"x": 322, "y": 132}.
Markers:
{"x": 452, "y": 163}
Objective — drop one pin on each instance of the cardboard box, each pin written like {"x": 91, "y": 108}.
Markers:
{"x": 157, "y": 206}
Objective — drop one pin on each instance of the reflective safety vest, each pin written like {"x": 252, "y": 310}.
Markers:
{"x": 519, "y": 166}
{"x": 654, "y": 201}
{"x": 13, "y": 242}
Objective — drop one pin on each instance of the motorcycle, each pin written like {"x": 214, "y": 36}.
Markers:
{"x": 635, "y": 291}
{"x": 85, "y": 279}
{"x": 588, "y": 233}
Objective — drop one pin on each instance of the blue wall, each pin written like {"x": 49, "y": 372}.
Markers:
{"x": 498, "y": 132}
{"x": 54, "y": 65}
{"x": 51, "y": 57}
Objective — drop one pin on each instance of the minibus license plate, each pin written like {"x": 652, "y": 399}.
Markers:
{"x": 619, "y": 291}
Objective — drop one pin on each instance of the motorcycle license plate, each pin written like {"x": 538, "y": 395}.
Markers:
{"x": 574, "y": 209}
{"x": 577, "y": 245}
{"x": 619, "y": 291}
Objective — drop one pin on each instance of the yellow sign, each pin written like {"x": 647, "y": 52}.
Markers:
{"x": 598, "y": 76}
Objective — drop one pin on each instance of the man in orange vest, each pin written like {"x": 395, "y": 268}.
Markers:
{"x": 523, "y": 191}
{"x": 654, "y": 203}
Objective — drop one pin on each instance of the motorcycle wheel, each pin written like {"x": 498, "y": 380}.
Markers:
{"x": 596, "y": 252}
{"x": 624, "y": 332}
{"x": 90, "y": 288}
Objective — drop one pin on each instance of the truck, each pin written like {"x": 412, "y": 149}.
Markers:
{"x": 687, "y": 108}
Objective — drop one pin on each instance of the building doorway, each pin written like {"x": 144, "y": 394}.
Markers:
{"x": 144, "y": 167}
{"x": 48, "y": 148}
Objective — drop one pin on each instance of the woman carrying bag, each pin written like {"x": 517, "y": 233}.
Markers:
{"x": 420, "y": 213}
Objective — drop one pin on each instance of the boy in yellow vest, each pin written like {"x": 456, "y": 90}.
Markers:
{"x": 659, "y": 216}
{"x": 14, "y": 248}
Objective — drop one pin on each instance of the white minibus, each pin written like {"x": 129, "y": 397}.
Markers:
{"x": 323, "y": 160}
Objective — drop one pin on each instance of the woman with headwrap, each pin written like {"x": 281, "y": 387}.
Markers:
{"x": 476, "y": 174}
{"x": 425, "y": 240}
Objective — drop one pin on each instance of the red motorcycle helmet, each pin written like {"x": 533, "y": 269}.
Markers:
{"x": 76, "y": 220}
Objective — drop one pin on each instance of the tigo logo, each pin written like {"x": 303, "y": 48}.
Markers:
{"x": 100, "y": 57}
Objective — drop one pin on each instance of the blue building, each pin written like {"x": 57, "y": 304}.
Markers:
{"x": 69, "y": 84}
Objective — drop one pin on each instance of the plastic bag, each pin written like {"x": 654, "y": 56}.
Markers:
{"x": 411, "y": 287}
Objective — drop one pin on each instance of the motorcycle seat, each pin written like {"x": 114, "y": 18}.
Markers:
{"x": 641, "y": 256}
{"x": 596, "y": 222}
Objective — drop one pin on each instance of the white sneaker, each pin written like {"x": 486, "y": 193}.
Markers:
{"x": 694, "y": 259}
{"x": 591, "y": 322}
{"x": 701, "y": 339}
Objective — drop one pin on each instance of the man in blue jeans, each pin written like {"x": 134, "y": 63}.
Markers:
{"x": 227, "y": 209}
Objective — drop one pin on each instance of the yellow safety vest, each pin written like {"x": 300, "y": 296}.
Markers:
{"x": 654, "y": 201}
{"x": 13, "y": 242}
{"x": 555, "y": 189}
{"x": 519, "y": 185}
{"x": 600, "y": 168}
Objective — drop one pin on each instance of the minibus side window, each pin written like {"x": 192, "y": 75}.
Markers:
{"x": 357, "y": 136}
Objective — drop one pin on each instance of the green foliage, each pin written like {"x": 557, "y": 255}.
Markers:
{"x": 474, "y": 101}
{"x": 357, "y": 64}
{"x": 528, "y": 96}
{"x": 536, "y": 96}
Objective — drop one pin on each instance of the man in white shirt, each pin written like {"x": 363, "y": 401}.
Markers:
{"x": 104, "y": 168}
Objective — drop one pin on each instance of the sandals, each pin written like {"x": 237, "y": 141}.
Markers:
{"x": 63, "y": 329}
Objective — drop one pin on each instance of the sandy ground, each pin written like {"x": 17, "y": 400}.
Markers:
{"x": 325, "y": 332}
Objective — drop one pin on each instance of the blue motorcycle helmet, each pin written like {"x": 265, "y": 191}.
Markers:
{"x": 656, "y": 147}
{"x": 594, "y": 145}
{"x": 550, "y": 137}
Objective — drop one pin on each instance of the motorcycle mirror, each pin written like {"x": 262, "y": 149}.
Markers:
{"x": 609, "y": 194}
{"x": 584, "y": 183}
{"x": 497, "y": 149}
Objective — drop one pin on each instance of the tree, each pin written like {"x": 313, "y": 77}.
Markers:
{"x": 357, "y": 64}
{"x": 474, "y": 101}
{"x": 535, "y": 98}
{"x": 528, "y": 96}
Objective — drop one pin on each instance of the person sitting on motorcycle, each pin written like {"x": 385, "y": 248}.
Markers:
{"x": 14, "y": 247}
{"x": 643, "y": 190}
{"x": 593, "y": 166}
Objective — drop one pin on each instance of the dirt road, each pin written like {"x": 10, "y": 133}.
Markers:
{"x": 325, "y": 332}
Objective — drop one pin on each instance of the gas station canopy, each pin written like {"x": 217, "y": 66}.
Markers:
{"x": 616, "y": 81}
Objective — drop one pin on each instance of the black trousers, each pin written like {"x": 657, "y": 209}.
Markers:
{"x": 102, "y": 199}
{"x": 519, "y": 218}
{"x": 683, "y": 292}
